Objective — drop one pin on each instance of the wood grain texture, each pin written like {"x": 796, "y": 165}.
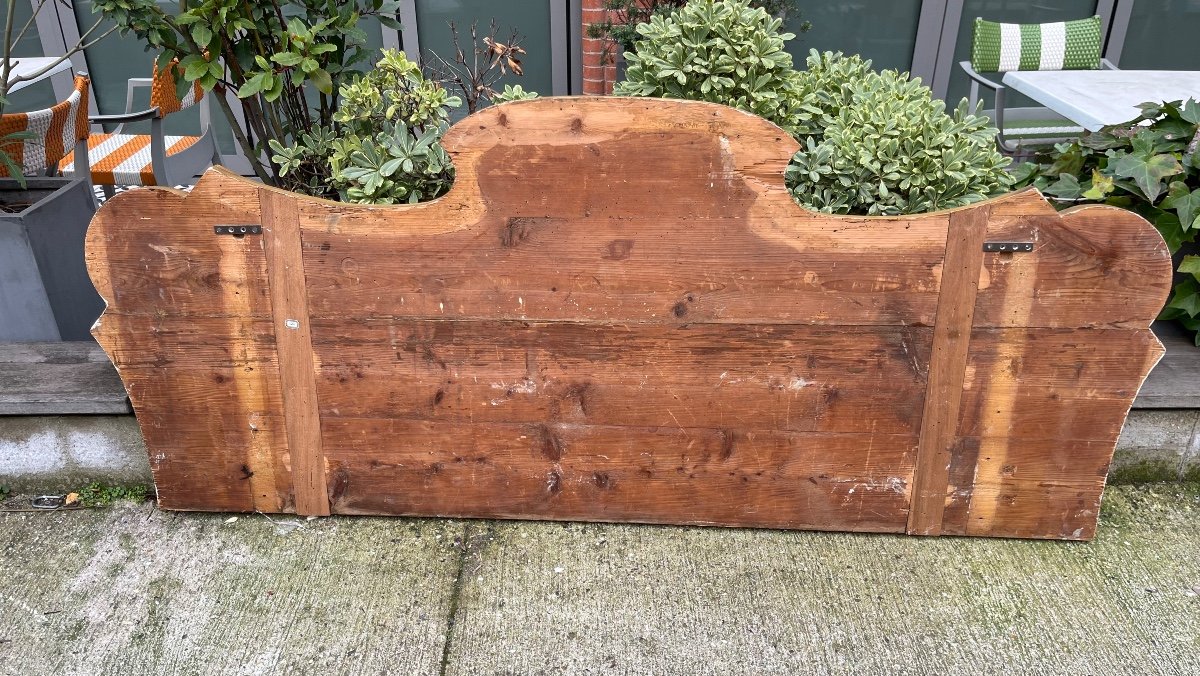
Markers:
{"x": 947, "y": 367}
{"x": 289, "y": 307}
{"x": 188, "y": 327}
{"x": 618, "y": 313}
{"x": 1042, "y": 410}
{"x": 667, "y": 474}
{"x": 59, "y": 378}
{"x": 788, "y": 377}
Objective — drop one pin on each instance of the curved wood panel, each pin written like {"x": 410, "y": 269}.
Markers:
{"x": 618, "y": 313}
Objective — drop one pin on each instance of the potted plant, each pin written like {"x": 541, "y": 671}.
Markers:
{"x": 311, "y": 121}
{"x": 45, "y": 293}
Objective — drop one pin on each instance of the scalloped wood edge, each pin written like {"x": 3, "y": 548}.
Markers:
{"x": 490, "y": 353}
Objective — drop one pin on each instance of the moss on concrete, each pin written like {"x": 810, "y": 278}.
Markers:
{"x": 1144, "y": 471}
{"x": 1192, "y": 474}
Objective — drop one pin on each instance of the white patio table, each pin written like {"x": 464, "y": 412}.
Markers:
{"x": 1097, "y": 98}
{"x": 28, "y": 65}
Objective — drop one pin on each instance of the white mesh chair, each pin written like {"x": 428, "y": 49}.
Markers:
{"x": 1003, "y": 47}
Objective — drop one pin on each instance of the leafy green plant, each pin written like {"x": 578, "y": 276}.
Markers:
{"x": 1184, "y": 306}
{"x": 1148, "y": 165}
{"x": 401, "y": 168}
{"x": 384, "y": 144}
{"x": 97, "y": 494}
{"x": 619, "y": 28}
{"x": 270, "y": 53}
{"x": 878, "y": 143}
{"x": 513, "y": 93}
{"x": 871, "y": 143}
{"x": 723, "y": 51}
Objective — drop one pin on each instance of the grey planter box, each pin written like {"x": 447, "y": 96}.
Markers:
{"x": 45, "y": 292}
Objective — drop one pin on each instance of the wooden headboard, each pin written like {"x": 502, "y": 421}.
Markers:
{"x": 619, "y": 314}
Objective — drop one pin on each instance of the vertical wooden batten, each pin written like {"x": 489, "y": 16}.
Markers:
{"x": 297, "y": 376}
{"x": 947, "y": 367}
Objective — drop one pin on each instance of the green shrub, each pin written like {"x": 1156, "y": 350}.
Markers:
{"x": 384, "y": 146}
{"x": 1148, "y": 165}
{"x": 871, "y": 143}
{"x": 722, "y": 51}
{"x": 826, "y": 87}
{"x": 880, "y": 144}
{"x": 619, "y": 28}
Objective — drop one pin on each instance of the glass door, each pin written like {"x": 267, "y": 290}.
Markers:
{"x": 884, "y": 31}
{"x": 1159, "y": 35}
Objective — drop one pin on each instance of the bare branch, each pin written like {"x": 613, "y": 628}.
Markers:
{"x": 65, "y": 57}
{"x": 475, "y": 76}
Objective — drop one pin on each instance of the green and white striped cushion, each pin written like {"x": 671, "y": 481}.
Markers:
{"x": 1065, "y": 45}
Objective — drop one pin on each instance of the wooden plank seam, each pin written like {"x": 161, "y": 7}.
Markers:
{"x": 947, "y": 368}
{"x": 297, "y": 369}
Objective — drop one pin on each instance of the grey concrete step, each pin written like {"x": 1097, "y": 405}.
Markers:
{"x": 59, "y": 378}
{"x": 1175, "y": 382}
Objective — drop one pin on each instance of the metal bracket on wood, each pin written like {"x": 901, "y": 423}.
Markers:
{"x": 238, "y": 230}
{"x": 1007, "y": 246}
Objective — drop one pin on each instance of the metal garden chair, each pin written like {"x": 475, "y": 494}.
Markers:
{"x": 118, "y": 158}
{"x": 1003, "y": 47}
{"x": 57, "y": 131}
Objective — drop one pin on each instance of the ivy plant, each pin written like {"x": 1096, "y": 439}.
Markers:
{"x": 723, "y": 51}
{"x": 878, "y": 143}
{"x": 1148, "y": 165}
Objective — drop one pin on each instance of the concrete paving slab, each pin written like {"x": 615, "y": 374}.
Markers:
{"x": 549, "y": 598}
{"x": 133, "y": 590}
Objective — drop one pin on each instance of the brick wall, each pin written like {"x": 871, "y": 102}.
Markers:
{"x": 598, "y": 77}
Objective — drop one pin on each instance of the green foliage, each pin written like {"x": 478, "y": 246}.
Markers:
{"x": 871, "y": 143}
{"x": 393, "y": 91}
{"x": 402, "y": 167}
{"x": 1148, "y": 165}
{"x": 384, "y": 145}
{"x": 826, "y": 87}
{"x": 266, "y": 52}
{"x": 620, "y": 25}
{"x": 513, "y": 93}
{"x": 722, "y": 51}
{"x": 879, "y": 144}
{"x": 97, "y": 494}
